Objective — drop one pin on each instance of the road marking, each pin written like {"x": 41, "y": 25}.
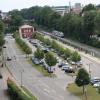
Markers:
{"x": 62, "y": 98}
{"x": 47, "y": 91}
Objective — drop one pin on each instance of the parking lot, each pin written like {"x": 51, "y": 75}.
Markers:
{"x": 62, "y": 67}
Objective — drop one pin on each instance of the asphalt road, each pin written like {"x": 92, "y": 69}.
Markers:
{"x": 43, "y": 88}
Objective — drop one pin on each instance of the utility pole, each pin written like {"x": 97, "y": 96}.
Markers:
{"x": 89, "y": 69}
{"x": 69, "y": 7}
{"x": 22, "y": 77}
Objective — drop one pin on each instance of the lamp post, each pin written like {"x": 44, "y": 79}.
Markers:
{"x": 89, "y": 69}
{"x": 22, "y": 77}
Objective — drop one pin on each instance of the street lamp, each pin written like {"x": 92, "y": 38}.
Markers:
{"x": 22, "y": 77}
{"x": 89, "y": 69}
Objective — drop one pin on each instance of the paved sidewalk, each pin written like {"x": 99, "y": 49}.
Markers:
{"x": 3, "y": 84}
{"x": 3, "y": 92}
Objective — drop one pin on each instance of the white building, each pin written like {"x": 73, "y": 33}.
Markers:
{"x": 4, "y": 15}
{"x": 61, "y": 9}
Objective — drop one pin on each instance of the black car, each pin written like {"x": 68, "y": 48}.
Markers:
{"x": 4, "y": 46}
{"x": 9, "y": 59}
{"x": 70, "y": 70}
{"x": 61, "y": 64}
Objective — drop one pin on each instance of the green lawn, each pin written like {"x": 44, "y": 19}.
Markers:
{"x": 92, "y": 93}
{"x": 42, "y": 70}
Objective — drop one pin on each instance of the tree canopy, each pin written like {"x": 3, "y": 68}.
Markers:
{"x": 39, "y": 54}
{"x": 75, "y": 56}
{"x": 82, "y": 78}
{"x": 50, "y": 59}
{"x": 79, "y": 27}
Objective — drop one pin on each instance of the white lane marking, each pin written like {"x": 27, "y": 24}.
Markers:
{"x": 62, "y": 98}
{"x": 46, "y": 90}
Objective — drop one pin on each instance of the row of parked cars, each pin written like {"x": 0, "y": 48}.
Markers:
{"x": 69, "y": 66}
{"x": 66, "y": 67}
{"x": 39, "y": 45}
{"x": 43, "y": 64}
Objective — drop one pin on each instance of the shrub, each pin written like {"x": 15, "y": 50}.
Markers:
{"x": 17, "y": 93}
{"x": 23, "y": 45}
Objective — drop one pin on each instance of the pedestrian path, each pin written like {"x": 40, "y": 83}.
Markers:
{"x": 3, "y": 83}
{"x": 3, "y": 91}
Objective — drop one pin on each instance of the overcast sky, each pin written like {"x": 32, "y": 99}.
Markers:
{"x": 6, "y": 5}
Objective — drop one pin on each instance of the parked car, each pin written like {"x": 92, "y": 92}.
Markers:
{"x": 65, "y": 67}
{"x": 45, "y": 50}
{"x": 9, "y": 59}
{"x": 72, "y": 63}
{"x": 4, "y": 46}
{"x": 79, "y": 64}
{"x": 36, "y": 61}
{"x": 58, "y": 60}
{"x": 45, "y": 66}
{"x": 60, "y": 64}
{"x": 70, "y": 70}
{"x": 96, "y": 85}
{"x": 94, "y": 80}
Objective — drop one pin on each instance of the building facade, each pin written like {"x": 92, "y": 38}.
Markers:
{"x": 76, "y": 9}
{"x": 26, "y": 31}
{"x": 61, "y": 9}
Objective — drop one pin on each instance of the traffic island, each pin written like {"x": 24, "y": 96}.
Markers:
{"x": 91, "y": 92}
{"x": 42, "y": 70}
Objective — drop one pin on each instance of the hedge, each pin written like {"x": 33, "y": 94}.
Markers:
{"x": 17, "y": 93}
{"x": 22, "y": 44}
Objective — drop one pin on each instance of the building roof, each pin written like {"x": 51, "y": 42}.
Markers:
{"x": 26, "y": 26}
{"x": 60, "y": 7}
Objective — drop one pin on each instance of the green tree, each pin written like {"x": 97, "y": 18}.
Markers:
{"x": 50, "y": 59}
{"x": 15, "y": 22}
{"x": 88, "y": 7}
{"x": 28, "y": 51}
{"x": 60, "y": 50}
{"x": 54, "y": 45}
{"x": 2, "y": 27}
{"x": 53, "y": 19}
{"x": 75, "y": 56}
{"x": 47, "y": 41}
{"x": 67, "y": 53}
{"x": 88, "y": 25}
{"x": 97, "y": 23}
{"x": 39, "y": 54}
{"x": 82, "y": 78}
{"x": 2, "y": 41}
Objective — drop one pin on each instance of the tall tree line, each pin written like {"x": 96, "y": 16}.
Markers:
{"x": 81, "y": 27}
{"x": 2, "y": 29}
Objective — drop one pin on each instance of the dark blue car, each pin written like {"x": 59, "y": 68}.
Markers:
{"x": 94, "y": 81}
